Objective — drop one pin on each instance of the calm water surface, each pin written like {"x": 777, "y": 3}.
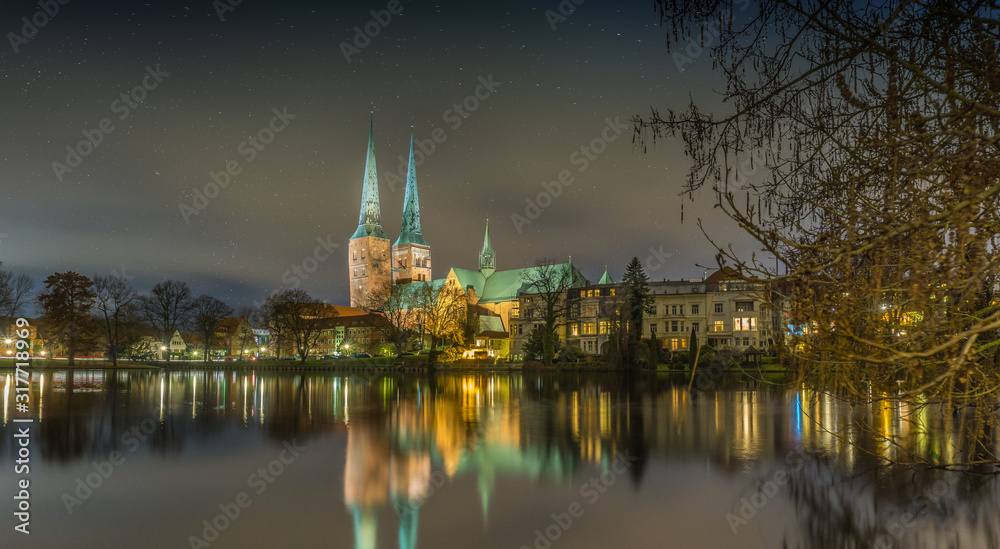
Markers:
{"x": 299, "y": 460}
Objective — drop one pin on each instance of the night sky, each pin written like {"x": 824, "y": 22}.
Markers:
{"x": 119, "y": 209}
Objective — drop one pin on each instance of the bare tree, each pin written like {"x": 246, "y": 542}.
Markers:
{"x": 206, "y": 312}
{"x": 299, "y": 317}
{"x": 167, "y": 307}
{"x": 394, "y": 304}
{"x": 113, "y": 305}
{"x": 859, "y": 151}
{"x": 441, "y": 311}
{"x": 15, "y": 293}
{"x": 245, "y": 338}
{"x": 547, "y": 283}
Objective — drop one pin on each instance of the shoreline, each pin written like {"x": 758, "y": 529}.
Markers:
{"x": 381, "y": 365}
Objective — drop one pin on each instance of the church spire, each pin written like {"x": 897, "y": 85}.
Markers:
{"x": 606, "y": 279}
{"x": 410, "y": 232}
{"x": 487, "y": 258}
{"x": 370, "y": 222}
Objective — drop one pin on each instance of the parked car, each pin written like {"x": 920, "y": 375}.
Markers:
{"x": 361, "y": 355}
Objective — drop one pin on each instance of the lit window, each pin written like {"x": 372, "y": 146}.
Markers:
{"x": 718, "y": 326}
{"x": 745, "y": 324}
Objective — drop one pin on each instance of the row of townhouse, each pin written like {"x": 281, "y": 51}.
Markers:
{"x": 720, "y": 310}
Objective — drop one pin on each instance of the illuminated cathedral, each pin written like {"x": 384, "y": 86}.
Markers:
{"x": 372, "y": 262}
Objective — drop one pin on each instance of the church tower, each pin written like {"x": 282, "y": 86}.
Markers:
{"x": 487, "y": 258}
{"x": 411, "y": 255}
{"x": 368, "y": 251}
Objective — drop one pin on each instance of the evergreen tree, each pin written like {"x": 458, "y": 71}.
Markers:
{"x": 638, "y": 301}
{"x": 65, "y": 305}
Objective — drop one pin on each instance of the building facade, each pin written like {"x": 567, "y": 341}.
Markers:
{"x": 372, "y": 263}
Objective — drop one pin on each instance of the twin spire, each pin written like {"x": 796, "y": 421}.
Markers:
{"x": 410, "y": 232}
{"x": 370, "y": 220}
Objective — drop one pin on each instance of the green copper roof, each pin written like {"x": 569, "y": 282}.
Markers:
{"x": 504, "y": 285}
{"x": 370, "y": 222}
{"x": 606, "y": 279}
{"x": 491, "y": 324}
{"x": 410, "y": 231}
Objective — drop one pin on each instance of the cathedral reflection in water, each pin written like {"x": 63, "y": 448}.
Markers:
{"x": 409, "y": 436}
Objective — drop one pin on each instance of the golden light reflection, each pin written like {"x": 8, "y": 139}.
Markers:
{"x": 194, "y": 397}
{"x": 6, "y": 400}
{"x": 41, "y": 397}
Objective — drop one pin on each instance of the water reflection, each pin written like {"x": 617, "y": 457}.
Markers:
{"x": 409, "y": 436}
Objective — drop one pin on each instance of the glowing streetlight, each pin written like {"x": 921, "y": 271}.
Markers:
{"x": 163, "y": 347}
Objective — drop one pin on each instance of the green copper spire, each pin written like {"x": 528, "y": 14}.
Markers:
{"x": 606, "y": 279}
{"x": 487, "y": 258}
{"x": 370, "y": 222}
{"x": 410, "y": 233}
